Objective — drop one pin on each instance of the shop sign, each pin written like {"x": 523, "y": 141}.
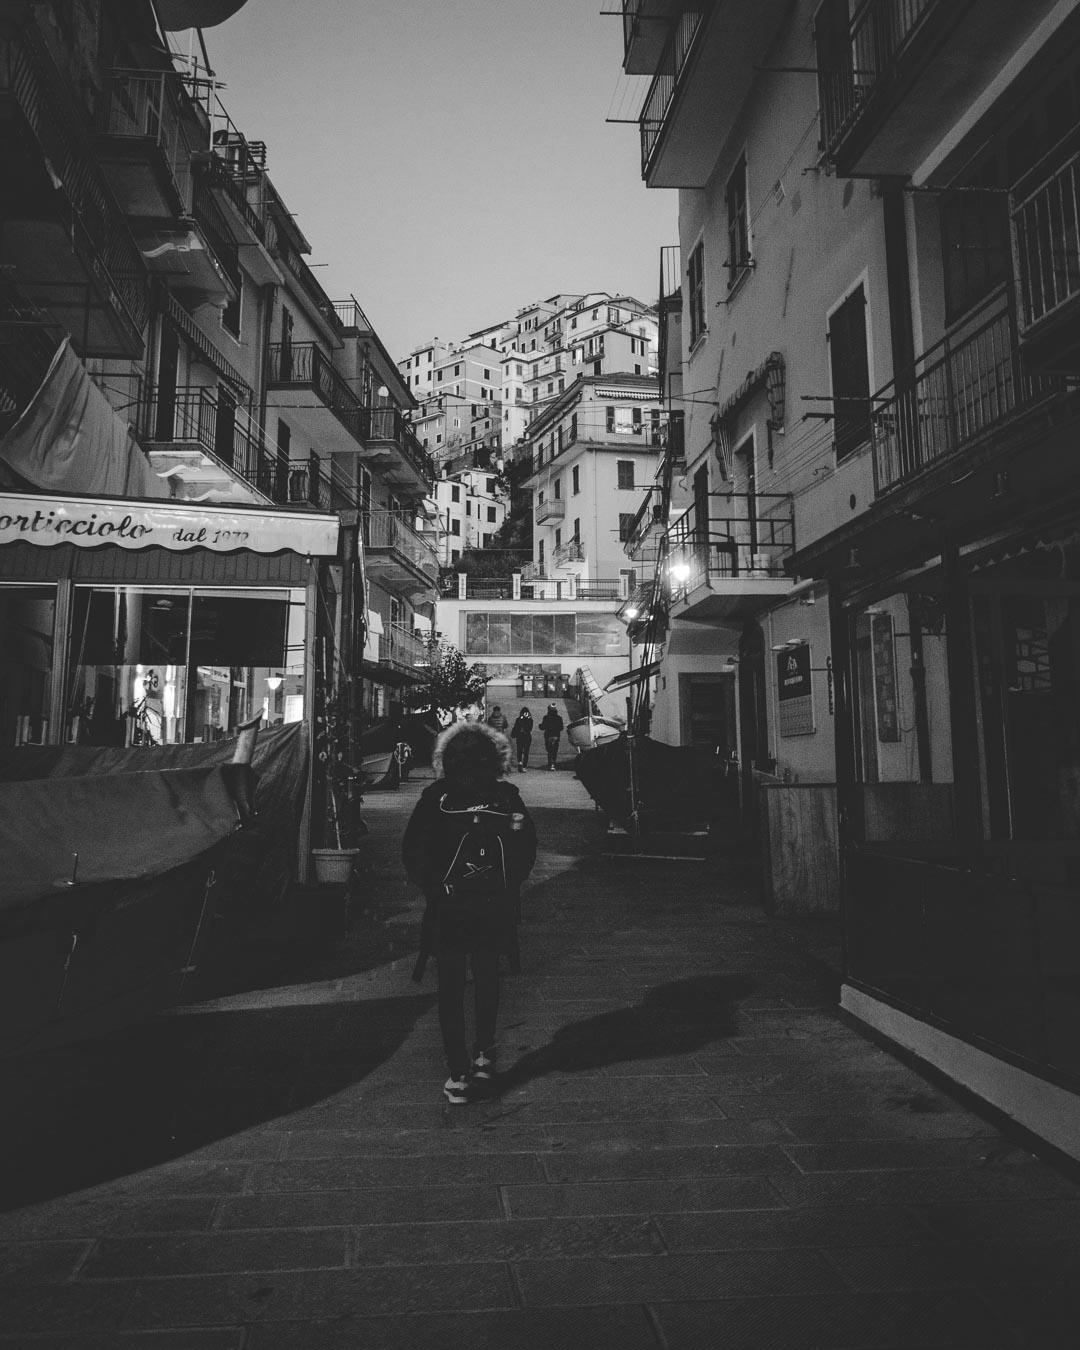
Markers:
{"x": 87, "y": 523}
{"x": 884, "y": 658}
{"x": 795, "y": 690}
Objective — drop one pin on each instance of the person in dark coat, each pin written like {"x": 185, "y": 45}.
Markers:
{"x": 552, "y": 727}
{"x": 470, "y": 759}
{"x": 522, "y": 736}
{"x": 497, "y": 720}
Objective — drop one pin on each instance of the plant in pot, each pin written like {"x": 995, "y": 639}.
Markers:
{"x": 342, "y": 826}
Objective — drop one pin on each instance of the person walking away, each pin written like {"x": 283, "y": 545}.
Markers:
{"x": 469, "y": 845}
{"x": 497, "y": 721}
{"x": 552, "y": 727}
{"x": 522, "y": 735}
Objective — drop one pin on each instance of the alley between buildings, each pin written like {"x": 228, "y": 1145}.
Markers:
{"x": 692, "y": 1149}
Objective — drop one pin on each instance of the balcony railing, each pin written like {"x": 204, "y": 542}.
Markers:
{"x": 572, "y": 551}
{"x": 201, "y": 417}
{"x": 389, "y": 425}
{"x": 230, "y": 171}
{"x": 312, "y": 482}
{"x": 352, "y": 316}
{"x": 385, "y": 530}
{"x": 99, "y": 232}
{"x": 401, "y": 648}
{"x": 879, "y": 31}
{"x": 216, "y": 229}
{"x": 554, "y": 508}
{"x": 303, "y": 363}
{"x": 744, "y": 537}
{"x": 148, "y": 105}
{"x": 665, "y": 83}
{"x": 1046, "y": 234}
{"x": 535, "y": 587}
{"x": 309, "y": 284}
{"x": 972, "y": 381}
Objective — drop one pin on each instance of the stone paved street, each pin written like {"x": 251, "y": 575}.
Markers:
{"x": 691, "y": 1150}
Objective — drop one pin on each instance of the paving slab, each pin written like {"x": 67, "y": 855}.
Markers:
{"x": 689, "y": 1147}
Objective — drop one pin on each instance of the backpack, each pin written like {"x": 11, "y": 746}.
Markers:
{"x": 476, "y": 858}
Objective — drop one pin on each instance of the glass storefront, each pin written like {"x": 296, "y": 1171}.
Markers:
{"x": 160, "y": 666}
{"x": 27, "y": 615}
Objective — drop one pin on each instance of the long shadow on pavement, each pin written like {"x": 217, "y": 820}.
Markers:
{"x": 672, "y": 1019}
{"x": 82, "y": 1114}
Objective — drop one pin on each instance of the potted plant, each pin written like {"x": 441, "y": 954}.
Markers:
{"x": 335, "y": 859}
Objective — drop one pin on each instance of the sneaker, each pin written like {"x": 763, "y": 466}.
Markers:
{"x": 456, "y": 1091}
{"x": 483, "y": 1066}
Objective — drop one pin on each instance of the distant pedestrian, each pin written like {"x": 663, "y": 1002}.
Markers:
{"x": 469, "y": 846}
{"x": 552, "y": 726}
{"x": 522, "y": 736}
{"x": 497, "y": 720}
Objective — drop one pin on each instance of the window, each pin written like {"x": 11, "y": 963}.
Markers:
{"x": 577, "y": 529}
{"x": 974, "y": 244}
{"x": 625, "y": 470}
{"x": 738, "y": 224}
{"x": 573, "y": 427}
{"x": 558, "y": 538}
{"x": 230, "y": 315}
{"x": 487, "y": 374}
{"x": 626, "y": 524}
{"x": 597, "y": 368}
{"x": 850, "y": 367}
{"x": 439, "y": 375}
{"x": 695, "y": 277}
{"x": 635, "y": 419}
{"x": 492, "y": 515}
{"x": 557, "y": 489}
{"x": 455, "y": 527}
{"x": 575, "y": 480}
{"x": 468, "y": 507}
{"x": 489, "y": 485}
{"x": 540, "y": 556}
{"x": 27, "y": 615}
{"x": 457, "y": 370}
{"x": 610, "y": 418}
{"x": 455, "y": 494}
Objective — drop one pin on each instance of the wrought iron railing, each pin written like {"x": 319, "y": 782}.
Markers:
{"x": 352, "y": 316}
{"x": 572, "y": 551}
{"x": 215, "y": 227}
{"x": 185, "y": 322}
{"x": 308, "y": 282}
{"x": 879, "y": 31}
{"x": 148, "y": 104}
{"x": 665, "y": 83}
{"x": 99, "y": 232}
{"x": 386, "y": 530}
{"x": 304, "y": 363}
{"x": 735, "y": 537}
{"x": 200, "y": 416}
{"x": 968, "y": 383}
{"x": 313, "y": 483}
{"x": 1046, "y": 235}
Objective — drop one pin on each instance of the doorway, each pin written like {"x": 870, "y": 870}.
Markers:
{"x": 707, "y": 713}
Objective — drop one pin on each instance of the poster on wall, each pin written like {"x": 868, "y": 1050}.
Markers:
{"x": 795, "y": 690}
{"x": 884, "y": 655}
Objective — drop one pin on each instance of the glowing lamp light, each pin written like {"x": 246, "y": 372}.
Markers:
{"x": 680, "y": 572}
{"x": 273, "y": 681}
{"x": 630, "y": 613}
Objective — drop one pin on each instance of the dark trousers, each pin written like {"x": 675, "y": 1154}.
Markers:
{"x": 485, "y": 969}
{"x": 523, "y": 745}
{"x": 551, "y": 745}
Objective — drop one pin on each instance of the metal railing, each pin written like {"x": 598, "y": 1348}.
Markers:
{"x": 305, "y": 363}
{"x": 230, "y": 177}
{"x": 313, "y": 483}
{"x": 389, "y": 425}
{"x": 185, "y": 322}
{"x": 401, "y": 648}
{"x": 386, "y": 530}
{"x": 572, "y": 551}
{"x": 968, "y": 383}
{"x": 736, "y": 536}
{"x": 879, "y": 31}
{"x": 1046, "y": 236}
{"x": 352, "y": 316}
{"x": 148, "y": 105}
{"x": 308, "y": 282}
{"x": 665, "y": 83}
{"x": 535, "y": 587}
{"x": 99, "y": 231}
{"x": 199, "y": 416}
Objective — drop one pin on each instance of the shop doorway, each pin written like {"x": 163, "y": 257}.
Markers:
{"x": 707, "y": 713}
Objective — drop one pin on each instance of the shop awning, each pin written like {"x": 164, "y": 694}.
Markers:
{"x": 632, "y": 677}
{"x": 88, "y": 522}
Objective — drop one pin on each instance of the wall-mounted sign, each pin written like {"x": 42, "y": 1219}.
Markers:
{"x": 884, "y": 656}
{"x": 795, "y": 690}
{"x": 87, "y": 522}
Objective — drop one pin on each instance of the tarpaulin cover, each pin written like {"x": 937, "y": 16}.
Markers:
{"x": 136, "y": 813}
{"x": 70, "y": 440}
{"x": 674, "y": 786}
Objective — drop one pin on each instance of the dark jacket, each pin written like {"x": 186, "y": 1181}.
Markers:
{"x": 497, "y": 721}
{"x": 551, "y": 725}
{"x": 428, "y": 844}
{"x": 523, "y": 726}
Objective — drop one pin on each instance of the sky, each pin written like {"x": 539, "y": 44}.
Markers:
{"x": 448, "y": 160}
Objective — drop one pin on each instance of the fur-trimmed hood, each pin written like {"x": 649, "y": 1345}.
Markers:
{"x": 470, "y": 751}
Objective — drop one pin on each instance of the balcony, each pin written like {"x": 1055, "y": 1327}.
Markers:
{"x": 310, "y": 482}
{"x": 573, "y": 551}
{"x": 316, "y": 401}
{"x": 1046, "y": 246}
{"x": 401, "y": 648}
{"x": 146, "y": 141}
{"x": 969, "y": 385}
{"x": 700, "y": 82}
{"x": 396, "y": 554}
{"x": 389, "y": 437}
{"x": 198, "y": 253}
{"x": 730, "y": 565}
{"x": 899, "y": 79}
{"x": 203, "y": 441}
{"x": 553, "y": 508}
{"x": 61, "y": 231}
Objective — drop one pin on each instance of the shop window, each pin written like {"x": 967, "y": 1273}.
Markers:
{"x": 160, "y": 667}
{"x": 26, "y": 663}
